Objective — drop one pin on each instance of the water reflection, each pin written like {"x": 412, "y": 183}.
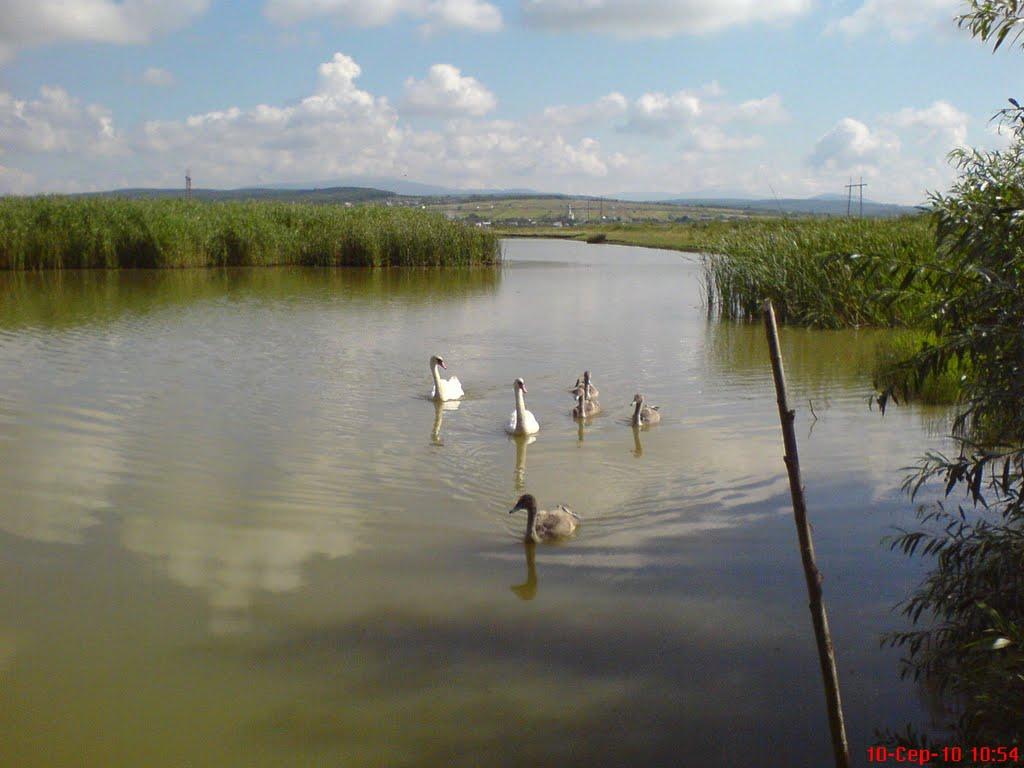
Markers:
{"x": 223, "y": 474}
{"x": 519, "y": 474}
{"x": 638, "y": 448}
{"x": 439, "y": 409}
{"x": 528, "y": 589}
{"x": 66, "y": 298}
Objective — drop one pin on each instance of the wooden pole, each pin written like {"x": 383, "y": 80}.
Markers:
{"x": 826, "y": 652}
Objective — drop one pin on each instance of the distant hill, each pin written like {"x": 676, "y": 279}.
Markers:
{"x": 325, "y": 195}
{"x": 823, "y": 205}
{"x": 405, "y": 187}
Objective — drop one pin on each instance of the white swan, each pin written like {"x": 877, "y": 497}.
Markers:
{"x": 521, "y": 422}
{"x": 444, "y": 389}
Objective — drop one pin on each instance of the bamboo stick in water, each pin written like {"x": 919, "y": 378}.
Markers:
{"x": 822, "y": 634}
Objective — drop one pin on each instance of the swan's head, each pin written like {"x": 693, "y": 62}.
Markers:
{"x": 519, "y": 384}
{"x": 437, "y": 360}
{"x": 586, "y": 377}
{"x": 526, "y": 503}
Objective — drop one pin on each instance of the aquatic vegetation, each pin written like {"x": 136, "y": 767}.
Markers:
{"x": 801, "y": 265}
{"x": 967, "y": 616}
{"x": 93, "y": 232}
{"x": 892, "y": 374}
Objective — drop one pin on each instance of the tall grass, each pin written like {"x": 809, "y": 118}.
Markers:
{"x": 798, "y": 264}
{"x": 87, "y": 233}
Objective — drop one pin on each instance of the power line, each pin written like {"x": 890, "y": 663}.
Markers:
{"x": 849, "y": 195}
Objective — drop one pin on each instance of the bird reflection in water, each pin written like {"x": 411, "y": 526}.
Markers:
{"x": 521, "y": 441}
{"x": 439, "y": 409}
{"x": 638, "y": 448}
{"x": 528, "y": 589}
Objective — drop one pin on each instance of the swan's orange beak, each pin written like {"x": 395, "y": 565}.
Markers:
{"x": 443, "y": 364}
{"x": 524, "y": 389}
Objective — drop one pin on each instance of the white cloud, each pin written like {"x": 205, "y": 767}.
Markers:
{"x": 714, "y": 139}
{"x": 656, "y": 18}
{"x": 705, "y": 141}
{"x": 337, "y": 130}
{"x": 661, "y": 113}
{"x": 903, "y": 155}
{"x": 941, "y": 121}
{"x": 55, "y": 122}
{"x": 900, "y": 19}
{"x": 701, "y": 114}
{"x": 760, "y": 111}
{"x": 445, "y": 91}
{"x": 462, "y": 14}
{"x": 850, "y": 146}
{"x": 36, "y": 22}
{"x": 604, "y": 109}
{"x": 157, "y": 77}
{"x": 435, "y": 15}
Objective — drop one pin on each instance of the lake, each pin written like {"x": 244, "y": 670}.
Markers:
{"x": 234, "y": 531}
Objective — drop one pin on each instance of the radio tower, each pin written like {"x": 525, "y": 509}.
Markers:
{"x": 188, "y": 183}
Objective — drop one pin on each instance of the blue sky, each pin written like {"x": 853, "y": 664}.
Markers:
{"x": 630, "y": 97}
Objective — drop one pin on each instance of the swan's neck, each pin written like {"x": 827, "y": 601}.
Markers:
{"x": 636, "y": 413}
{"x": 520, "y": 408}
{"x": 531, "y": 525}
{"x": 435, "y": 369}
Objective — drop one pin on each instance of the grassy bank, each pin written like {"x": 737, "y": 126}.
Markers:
{"x": 85, "y": 233}
{"x": 796, "y": 262}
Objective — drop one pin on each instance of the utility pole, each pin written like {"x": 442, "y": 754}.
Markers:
{"x": 849, "y": 195}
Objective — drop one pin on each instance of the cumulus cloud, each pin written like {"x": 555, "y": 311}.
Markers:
{"x": 462, "y": 14}
{"x": 339, "y": 129}
{"x": 900, "y": 19}
{"x": 36, "y": 22}
{"x": 157, "y": 77}
{"x": 665, "y": 114}
{"x": 446, "y": 91}
{"x": 606, "y": 108}
{"x": 904, "y": 153}
{"x": 434, "y": 15}
{"x": 661, "y": 113}
{"x": 704, "y": 140}
{"x": 851, "y": 146}
{"x": 55, "y": 122}
{"x": 656, "y": 18}
{"x": 941, "y": 121}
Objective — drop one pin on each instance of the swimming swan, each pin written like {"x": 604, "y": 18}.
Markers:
{"x": 644, "y": 415}
{"x": 521, "y": 422}
{"x": 444, "y": 389}
{"x": 585, "y": 408}
{"x": 546, "y": 524}
{"x": 584, "y": 385}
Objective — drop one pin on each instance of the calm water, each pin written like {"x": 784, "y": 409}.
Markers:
{"x": 233, "y": 531}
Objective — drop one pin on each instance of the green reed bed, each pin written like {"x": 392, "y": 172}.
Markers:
{"x": 803, "y": 266}
{"x": 87, "y": 233}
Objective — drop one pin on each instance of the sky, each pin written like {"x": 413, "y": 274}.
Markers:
{"x": 638, "y": 98}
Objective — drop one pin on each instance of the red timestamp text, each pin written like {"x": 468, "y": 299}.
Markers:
{"x": 943, "y": 755}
